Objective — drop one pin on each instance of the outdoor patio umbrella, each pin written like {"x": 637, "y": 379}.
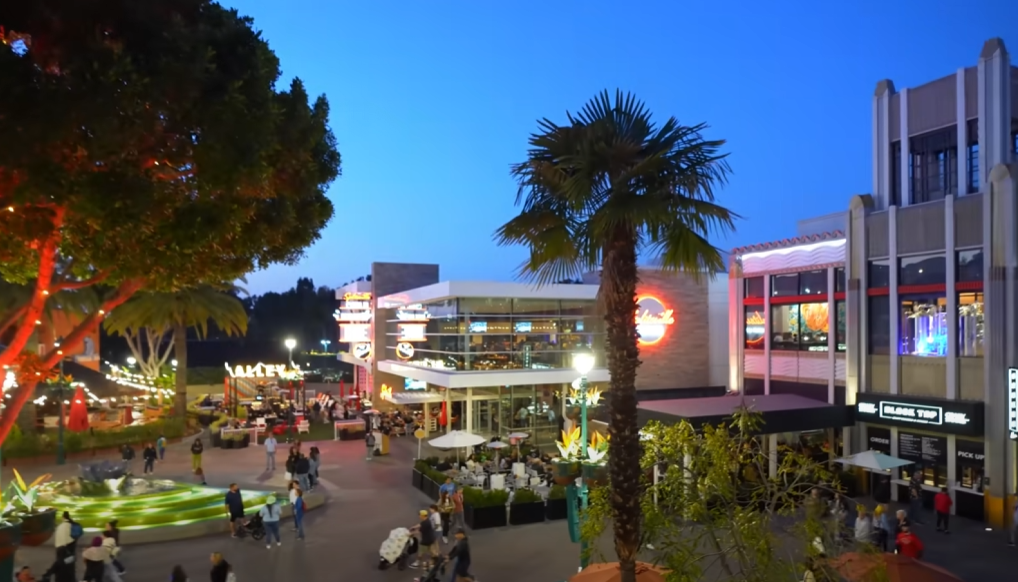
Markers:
{"x": 497, "y": 445}
{"x": 874, "y": 461}
{"x": 869, "y": 568}
{"x": 610, "y": 573}
{"x": 456, "y": 439}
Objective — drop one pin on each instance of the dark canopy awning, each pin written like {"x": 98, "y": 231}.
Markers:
{"x": 781, "y": 412}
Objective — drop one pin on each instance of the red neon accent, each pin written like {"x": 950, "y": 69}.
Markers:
{"x": 969, "y": 286}
{"x": 909, "y": 289}
{"x": 839, "y": 295}
{"x": 789, "y": 299}
{"x": 878, "y": 291}
{"x": 753, "y": 301}
{"x": 665, "y": 318}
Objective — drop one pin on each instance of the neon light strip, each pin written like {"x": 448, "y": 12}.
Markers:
{"x": 789, "y": 250}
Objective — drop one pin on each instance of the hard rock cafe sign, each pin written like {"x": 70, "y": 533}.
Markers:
{"x": 652, "y": 319}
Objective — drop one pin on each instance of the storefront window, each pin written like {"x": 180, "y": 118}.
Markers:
{"x": 840, "y": 338}
{"x": 813, "y": 282}
{"x": 754, "y": 328}
{"x": 929, "y": 455}
{"x": 785, "y": 285}
{"x": 970, "y": 265}
{"x": 754, "y": 287}
{"x": 784, "y": 327}
{"x": 814, "y": 325}
{"x": 969, "y": 466}
{"x": 485, "y": 306}
{"x": 924, "y": 270}
{"x": 839, "y": 280}
{"x": 923, "y": 326}
{"x": 879, "y": 275}
{"x": 879, "y": 326}
{"x": 970, "y": 324}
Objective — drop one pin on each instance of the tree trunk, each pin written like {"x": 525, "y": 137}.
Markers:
{"x": 618, "y": 295}
{"x": 180, "y": 352}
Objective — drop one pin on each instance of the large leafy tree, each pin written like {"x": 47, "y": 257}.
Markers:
{"x": 155, "y": 325}
{"x": 595, "y": 192}
{"x": 146, "y": 145}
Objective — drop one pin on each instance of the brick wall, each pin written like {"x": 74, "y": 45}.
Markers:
{"x": 682, "y": 358}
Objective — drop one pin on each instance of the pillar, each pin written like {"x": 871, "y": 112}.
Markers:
{"x": 892, "y": 259}
{"x": 767, "y": 332}
{"x": 772, "y": 456}
{"x": 882, "y": 142}
{"x": 952, "y": 298}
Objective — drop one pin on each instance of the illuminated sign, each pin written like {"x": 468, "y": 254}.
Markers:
{"x": 386, "y": 392}
{"x": 415, "y": 312}
{"x": 404, "y": 351}
{"x": 361, "y": 351}
{"x": 357, "y": 296}
{"x": 1012, "y": 403}
{"x": 355, "y": 333}
{"x": 414, "y": 385}
{"x": 259, "y": 370}
{"x": 755, "y": 320}
{"x": 652, "y": 319}
{"x": 412, "y": 332}
{"x": 956, "y": 417}
{"x": 355, "y": 308}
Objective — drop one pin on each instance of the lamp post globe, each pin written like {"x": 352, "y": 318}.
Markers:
{"x": 583, "y": 362}
{"x": 131, "y": 360}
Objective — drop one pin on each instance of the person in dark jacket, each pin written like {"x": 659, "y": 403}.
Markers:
{"x": 196, "y": 450}
{"x": 220, "y": 568}
{"x": 149, "y": 455}
{"x": 291, "y": 462}
{"x": 127, "y": 455}
{"x": 178, "y": 574}
{"x": 302, "y": 466}
{"x": 460, "y": 556}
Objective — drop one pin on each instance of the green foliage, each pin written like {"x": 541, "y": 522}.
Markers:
{"x": 425, "y": 467}
{"x": 526, "y": 496}
{"x": 478, "y": 498}
{"x": 34, "y": 445}
{"x": 26, "y": 494}
{"x": 718, "y": 513}
{"x": 557, "y": 492}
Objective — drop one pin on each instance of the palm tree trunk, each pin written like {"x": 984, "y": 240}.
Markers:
{"x": 618, "y": 294}
{"x": 180, "y": 352}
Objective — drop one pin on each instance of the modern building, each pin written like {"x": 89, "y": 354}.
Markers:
{"x": 498, "y": 356}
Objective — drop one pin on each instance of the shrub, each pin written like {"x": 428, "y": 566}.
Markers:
{"x": 557, "y": 492}
{"x": 526, "y": 496}
{"x": 478, "y": 498}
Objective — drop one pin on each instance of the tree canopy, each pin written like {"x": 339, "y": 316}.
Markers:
{"x": 146, "y": 145}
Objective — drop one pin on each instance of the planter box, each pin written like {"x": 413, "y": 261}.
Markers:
{"x": 227, "y": 443}
{"x": 10, "y": 539}
{"x": 429, "y": 487}
{"x": 485, "y": 517}
{"x": 216, "y": 439}
{"x": 556, "y": 509}
{"x": 524, "y": 513}
{"x": 418, "y": 480}
{"x": 37, "y": 528}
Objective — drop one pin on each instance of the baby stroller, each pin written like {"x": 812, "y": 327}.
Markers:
{"x": 436, "y": 573}
{"x": 397, "y": 549}
{"x": 254, "y": 527}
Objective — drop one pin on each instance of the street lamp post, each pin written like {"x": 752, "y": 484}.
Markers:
{"x": 325, "y": 345}
{"x": 291, "y": 343}
{"x": 583, "y": 362}
{"x": 61, "y": 457}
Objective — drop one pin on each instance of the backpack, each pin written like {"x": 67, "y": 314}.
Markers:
{"x": 76, "y": 530}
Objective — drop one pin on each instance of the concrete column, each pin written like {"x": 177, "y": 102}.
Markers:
{"x": 952, "y": 299}
{"x": 832, "y": 332}
{"x": 468, "y": 411}
{"x": 448, "y": 409}
{"x": 882, "y": 142}
{"x": 963, "y": 131}
{"x": 892, "y": 246}
{"x": 772, "y": 455}
{"x": 895, "y": 473}
{"x": 952, "y": 465}
{"x": 994, "y": 73}
{"x": 736, "y": 328}
{"x": 906, "y": 186}
{"x": 767, "y": 333}
{"x": 856, "y": 299}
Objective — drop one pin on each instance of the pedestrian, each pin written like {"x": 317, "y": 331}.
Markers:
{"x": 909, "y": 544}
{"x": 161, "y": 446}
{"x": 303, "y": 468}
{"x": 270, "y": 513}
{"x": 199, "y": 476}
{"x": 196, "y": 450}
{"x": 299, "y": 508}
{"x": 95, "y": 561}
{"x": 234, "y": 508}
{"x": 149, "y": 455}
{"x": 458, "y": 522}
{"x": 882, "y": 524}
{"x": 460, "y": 556}
{"x": 448, "y": 487}
{"x": 110, "y": 569}
{"x": 942, "y": 503}
{"x": 369, "y": 440}
{"x": 902, "y": 523}
{"x": 112, "y": 531}
{"x": 428, "y": 540}
{"x": 313, "y": 459}
{"x": 291, "y": 463}
{"x": 864, "y": 531}
{"x": 221, "y": 569}
{"x": 445, "y": 509}
{"x": 270, "y": 452}
{"x": 178, "y": 574}
{"x": 127, "y": 455}
{"x": 1014, "y": 526}
{"x": 915, "y": 497}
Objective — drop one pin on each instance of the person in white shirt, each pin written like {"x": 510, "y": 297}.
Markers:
{"x": 270, "y": 453}
{"x": 111, "y": 573}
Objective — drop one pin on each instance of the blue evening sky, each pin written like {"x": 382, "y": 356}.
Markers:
{"x": 433, "y": 100}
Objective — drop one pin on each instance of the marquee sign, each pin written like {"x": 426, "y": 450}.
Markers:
{"x": 652, "y": 319}
{"x": 355, "y": 333}
{"x": 260, "y": 370}
{"x": 414, "y": 312}
{"x": 1012, "y": 403}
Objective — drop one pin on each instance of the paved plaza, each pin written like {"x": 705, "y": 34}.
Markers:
{"x": 368, "y": 499}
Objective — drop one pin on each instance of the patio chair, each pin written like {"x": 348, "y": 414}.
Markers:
{"x": 303, "y": 427}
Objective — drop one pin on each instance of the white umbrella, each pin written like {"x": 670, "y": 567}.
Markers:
{"x": 456, "y": 439}
{"x": 874, "y": 461}
{"x": 497, "y": 445}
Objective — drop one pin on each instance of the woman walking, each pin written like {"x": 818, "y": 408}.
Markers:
{"x": 445, "y": 509}
{"x": 270, "y": 517}
{"x": 298, "y": 513}
{"x": 95, "y": 561}
{"x": 221, "y": 569}
{"x": 196, "y": 450}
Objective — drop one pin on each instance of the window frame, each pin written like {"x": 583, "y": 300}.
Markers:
{"x": 872, "y": 325}
{"x": 928, "y": 278}
{"x": 762, "y": 344}
{"x": 922, "y": 298}
{"x": 870, "y": 271}
{"x": 973, "y": 252}
{"x": 748, "y": 283}
{"x": 791, "y": 346}
{"x": 819, "y": 347}
{"x": 811, "y": 277}
{"x": 786, "y": 276}
{"x": 840, "y": 326}
{"x": 977, "y": 298}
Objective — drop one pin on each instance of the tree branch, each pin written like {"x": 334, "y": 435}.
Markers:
{"x": 75, "y": 285}
{"x": 12, "y": 318}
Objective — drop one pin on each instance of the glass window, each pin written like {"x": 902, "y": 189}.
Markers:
{"x": 485, "y": 306}
{"x": 970, "y": 324}
{"x": 879, "y": 275}
{"x": 970, "y": 265}
{"x": 785, "y": 285}
{"x": 923, "y": 326}
{"x": 529, "y": 307}
{"x": 879, "y": 325}
{"x": 841, "y": 337}
{"x": 814, "y": 324}
{"x": 754, "y": 286}
{"x": 785, "y": 327}
{"x": 754, "y": 328}
{"x": 839, "y": 280}
{"x": 813, "y": 282}
{"x": 924, "y": 270}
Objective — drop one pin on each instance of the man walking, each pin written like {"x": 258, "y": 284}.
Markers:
{"x": 234, "y": 508}
{"x": 915, "y": 497}
{"x": 270, "y": 453}
{"x": 458, "y": 522}
{"x": 460, "y": 555}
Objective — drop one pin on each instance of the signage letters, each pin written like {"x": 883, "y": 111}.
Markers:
{"x": 1012, "y": 403}
{"x": 412, "y": 332}
{"x": 415, "y": 312}
{"x": 357, "y": 296}
{"x": 652, "y": 319}
{"x": 973, "y": 456}
{"x": 259, "y": 370}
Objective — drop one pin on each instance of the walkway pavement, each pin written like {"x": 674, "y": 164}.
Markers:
{"x": 369, "y": 498}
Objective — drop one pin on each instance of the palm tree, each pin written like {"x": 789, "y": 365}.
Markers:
{"x": 148, "y": 320}
{"x": 595, "y": 193}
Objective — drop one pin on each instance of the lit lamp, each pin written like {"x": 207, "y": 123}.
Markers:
{"x": 291, "y": 343}
{"x": 325, "y": 345}
{"x": 131, "y": 361}
{"x": 173, "y": 363}
{"x": 583, "y": 362}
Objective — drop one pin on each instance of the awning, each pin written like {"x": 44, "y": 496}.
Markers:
{"x": 874, "y": 461}
{"x": 405, "y": 398}
{"x": 781, "y": 412}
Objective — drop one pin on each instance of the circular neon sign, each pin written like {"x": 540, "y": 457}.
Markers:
{"x": 652, "y": 319}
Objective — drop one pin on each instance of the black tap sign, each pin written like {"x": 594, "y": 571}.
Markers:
{"x": 928, "y": 449}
